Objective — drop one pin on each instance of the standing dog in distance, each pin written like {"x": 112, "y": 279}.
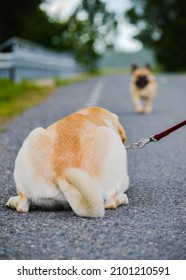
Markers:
{"x": 143, "y": 87}
{"x": 79, "y": 162}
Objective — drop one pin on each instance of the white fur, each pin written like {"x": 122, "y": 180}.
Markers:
{"x": 82, "y": 185}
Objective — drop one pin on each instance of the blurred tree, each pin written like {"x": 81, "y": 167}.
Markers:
{"x": 43, "y": 30}
{"x": 90, "y": 29}
{"x": 25, "y": 19}
{"x": 14, "y": 15}
{"x": 162, "y": 27}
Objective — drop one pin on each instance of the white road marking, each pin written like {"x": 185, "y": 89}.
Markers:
{"x": 96, "y": 93}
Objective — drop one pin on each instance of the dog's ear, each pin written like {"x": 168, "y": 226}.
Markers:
{"x": 134, "y": 67}
{"x": 122, "y": 133}
{"x": 148, "y": 66}
{"x": 114, "y": 122}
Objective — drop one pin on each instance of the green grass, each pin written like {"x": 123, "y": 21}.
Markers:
{"x": 17, "y": 97}
{"x": 74, "y": 79}
{"x": 85, "y": 76}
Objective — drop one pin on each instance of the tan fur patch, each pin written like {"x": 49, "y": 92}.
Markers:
{"x": 73, "y": 142}
{"x": 76, "y": 137}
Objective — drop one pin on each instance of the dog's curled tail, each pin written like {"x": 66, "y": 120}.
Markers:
{"x": 82, "y": 193}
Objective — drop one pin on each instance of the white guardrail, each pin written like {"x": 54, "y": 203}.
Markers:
{"x": 33, "y": 61}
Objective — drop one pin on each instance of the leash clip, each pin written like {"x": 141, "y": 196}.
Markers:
{"x": 141, "y": 143}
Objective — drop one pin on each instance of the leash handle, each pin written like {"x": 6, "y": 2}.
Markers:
{"x": 159, "y": 136}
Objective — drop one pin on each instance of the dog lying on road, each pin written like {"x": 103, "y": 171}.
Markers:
{"x": 143, "y": 87}
{"x": 78, "y": 162}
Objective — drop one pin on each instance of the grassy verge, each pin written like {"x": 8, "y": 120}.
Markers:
{"x": 17, "y": 97}
{"x": 83, "y": 77}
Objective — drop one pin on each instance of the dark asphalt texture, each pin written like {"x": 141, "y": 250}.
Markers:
{"x": 151, "y": 226}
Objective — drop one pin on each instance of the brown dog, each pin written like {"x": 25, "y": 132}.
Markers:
{"x": 143, "y": 87}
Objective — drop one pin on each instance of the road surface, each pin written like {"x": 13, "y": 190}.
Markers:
{"x": 151, "y": 226}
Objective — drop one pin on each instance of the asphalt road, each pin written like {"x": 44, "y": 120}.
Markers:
{"x": 151, "y": 226}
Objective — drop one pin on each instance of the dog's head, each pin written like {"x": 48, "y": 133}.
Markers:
{"x": 141, "y": 76}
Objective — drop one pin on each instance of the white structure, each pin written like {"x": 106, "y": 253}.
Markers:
{"x": 21, "y": 59}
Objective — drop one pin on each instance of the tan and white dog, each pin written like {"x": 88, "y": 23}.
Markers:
{"x": 143, "y": 87}
{"x": 79, "y": 161}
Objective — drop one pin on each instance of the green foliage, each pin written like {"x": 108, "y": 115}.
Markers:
{"x": 84, "y": 36}
{"x": 94, "y": 32}
{"x": 16, "y": 97}
{"x": 11, "y": 90}
{"x": 14, "y": 15}
{"x": 59, "y": 82}
{"x": 162, "y": 27}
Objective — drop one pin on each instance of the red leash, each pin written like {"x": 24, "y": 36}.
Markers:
{"x": 156, "y": 137}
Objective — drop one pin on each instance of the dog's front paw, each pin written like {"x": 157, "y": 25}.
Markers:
{"x": 140, "y": 110}
{"x": 21, "y": 205}
{"x": 122, "y": 198}
{"x": 147, "y": 111}
{"x": 12, "y": 202}
{"x": 116, "y": 200}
